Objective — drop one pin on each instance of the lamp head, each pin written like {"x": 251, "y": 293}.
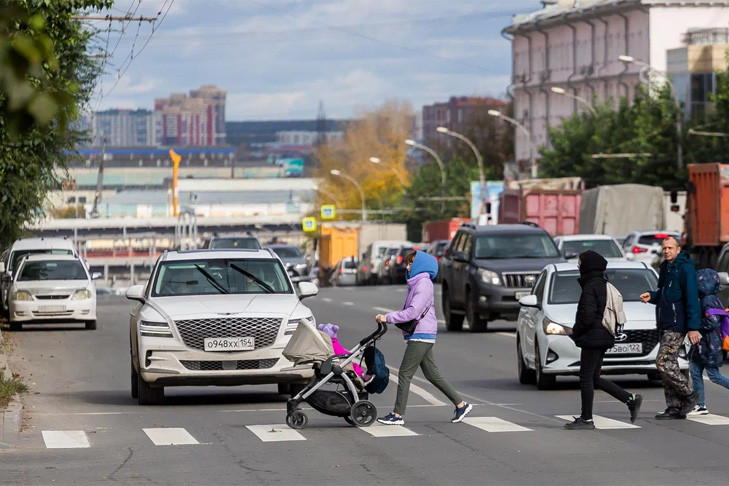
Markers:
{"x": 375, "y": 160}
{"x": 442, "y": 130}
{"x": 410, "y": 142}
{"x": 557, "y": 90}
{"x": 626, "y": 59}
{"x": 335, "y": 172}
{"x": 494, "y": 113}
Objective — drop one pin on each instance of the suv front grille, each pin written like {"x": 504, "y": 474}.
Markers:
{"x": 262, "y": 329}
{"x": 520, "y": 280}
{"x": 248, "y": 364}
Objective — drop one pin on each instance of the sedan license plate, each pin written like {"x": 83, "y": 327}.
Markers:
{"x": 228, "y": 344}
{"x": 626, "y": 348}
{"x": 519, "y": 295}
{"x": 52, "y": 308}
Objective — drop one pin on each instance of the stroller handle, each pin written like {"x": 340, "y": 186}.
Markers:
{"x": 381, "y": 330}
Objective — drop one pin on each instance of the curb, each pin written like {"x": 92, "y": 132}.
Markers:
{"x": 12, "y": 417}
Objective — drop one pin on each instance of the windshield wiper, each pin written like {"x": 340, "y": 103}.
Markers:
{"x": 257, "y": 280}
{"x": 211, "y": 279}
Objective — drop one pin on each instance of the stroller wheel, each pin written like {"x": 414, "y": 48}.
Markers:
{"x": 349, "y": 420}
{"x": 297, "y": 420}
{"x": 363, "y": 413}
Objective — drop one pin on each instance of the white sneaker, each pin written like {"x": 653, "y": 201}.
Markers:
{"x": 698, "y": 411}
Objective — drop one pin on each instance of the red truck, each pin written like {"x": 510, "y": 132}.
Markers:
{"x": 555, "y": 210}
{"x": 442, "y": 229}
{"x": 708, "y": 211}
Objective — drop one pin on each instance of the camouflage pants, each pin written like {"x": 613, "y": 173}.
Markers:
{"x": 675, "y": 385}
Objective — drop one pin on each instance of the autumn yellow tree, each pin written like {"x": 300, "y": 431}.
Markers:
{"x": 379, "y": 133}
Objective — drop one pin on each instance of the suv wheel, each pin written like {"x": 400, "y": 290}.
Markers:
{"x": 148, "y": 395}
{"x": 475, "y": 323}
{"x": 135, "y": 383}
{"x": 454, "y": 322}
{"x": 544, "y": 382}
{"x": 526, "y": 376}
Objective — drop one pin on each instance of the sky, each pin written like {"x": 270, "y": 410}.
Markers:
{"x": 278, "y": 59}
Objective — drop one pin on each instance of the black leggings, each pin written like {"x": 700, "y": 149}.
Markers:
{"x": 590, "y": 365}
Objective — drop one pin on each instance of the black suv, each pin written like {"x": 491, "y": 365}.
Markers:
{"x": 487, "y": 269}
{"x": 232, "y": 242}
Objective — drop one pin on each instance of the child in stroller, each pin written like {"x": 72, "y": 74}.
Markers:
{"x": 331, "y": 330}
{"x": 347, "y": 398}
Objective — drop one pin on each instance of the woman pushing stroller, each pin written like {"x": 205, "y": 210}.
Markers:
{"x": 419, "y": 305}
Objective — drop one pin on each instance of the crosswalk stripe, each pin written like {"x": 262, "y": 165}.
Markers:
{"x": 65, "y": 439}
{"x": 170, "y": 436}
{"x": 384, "y": 309}
{"x": 326, "y": 299}
{"x": 382, "y": 430}
{"x": 494, "y": 424}
{"x": 603, "y": 423}
{"x": 275, "y": 433}
{"x": 709, "y": 419}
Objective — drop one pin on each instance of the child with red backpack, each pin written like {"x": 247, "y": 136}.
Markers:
{"x": 707, "y": 353}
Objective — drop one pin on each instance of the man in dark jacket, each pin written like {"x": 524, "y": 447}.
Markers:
{"x": 590, "y": 335}
{"x": 677, "y": 312}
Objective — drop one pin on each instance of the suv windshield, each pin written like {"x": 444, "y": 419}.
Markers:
{"x": 233, "y": 242}
{"x": 606, "y": 248}
{"x": 18, "y": 254}
{"x": 287, "y": 252}
{"x": 517, "y": 245}
{"x": 564, "y": 288}
{"x": 52, "y": 270}
{"x": 220, "y": 276}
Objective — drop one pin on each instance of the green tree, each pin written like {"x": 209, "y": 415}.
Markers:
{"x": 45, "y": 76}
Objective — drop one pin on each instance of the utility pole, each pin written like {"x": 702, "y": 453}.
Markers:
{"x": 99, "y": 183}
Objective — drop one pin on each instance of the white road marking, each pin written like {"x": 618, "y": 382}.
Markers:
{"x": 709, "y": 419}
{"x": 382, "y": 430}
{"x": 275, "y": 433}
{"x": 170, "y": 436}
{"x": 326, "y": 299}
{"x": 603, "y": 423}
{"x": 347, "y": 303}
{"x": 507, "y": 334}
{"x": 494, "y": 424}
{"x": 65, "y": 439}
{"x": 416, "y": 389}
{"x": 383, "y": 309}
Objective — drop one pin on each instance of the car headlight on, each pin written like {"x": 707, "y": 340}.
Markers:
{"x": 554, "y": 328}
{"x": 81, "y": 294}
{"x": 22, "y": 295}
{"x": 301, "y": 266}
{"x": 489, "y": 277}
{"x": 154, "y": 329}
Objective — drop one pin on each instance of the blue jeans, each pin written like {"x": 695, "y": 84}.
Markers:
{"x": 697, "y": 371}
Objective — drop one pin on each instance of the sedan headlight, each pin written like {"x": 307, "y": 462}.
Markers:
{"x": 489, "y": 277}
{"x": 154, "y": 329}
{"x": 301, "y": 266}
{"x": 554, "y": 328}
{"x": 81, "y": 294}
{"x": 22, "y": 295}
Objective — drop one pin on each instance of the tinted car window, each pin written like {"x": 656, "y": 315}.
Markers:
{"x": 52, "y": 270}
{"x": 606, "y": 248}
{"x": 247, "y": 243}
{"x": 287, "y": 252}
{"x": 565, "y": 289}
{"x": 350, "y": 264}
{"x": 18, "y": 254}
{"x": 515, "y": 246}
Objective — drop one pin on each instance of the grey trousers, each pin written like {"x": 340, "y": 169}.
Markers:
{"x": 419, "y": 354}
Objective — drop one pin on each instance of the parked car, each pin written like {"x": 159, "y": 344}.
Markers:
{"x": 370, "y": 268}
{"x": 295, "y": 262}
{"x": 344, "y": 272}
{"x": 47, "y": 287}
{"x": 438, "y": 247}
{"x": 387, "y": 261}
{"x": 232, "y": 242}
{"x": 543, "y": 347}
{"x": 215, "y": 318}
{"x": 487, "y": 269}
{"x": 28, "y": 246}
{"x": 572, "y": 245}
{"x": 397, "y": 267}
{"x": 645, "y": 246}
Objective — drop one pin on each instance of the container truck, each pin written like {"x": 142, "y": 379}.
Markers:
{"x": 555, "y": 210}
{"x": 708, "y": 211}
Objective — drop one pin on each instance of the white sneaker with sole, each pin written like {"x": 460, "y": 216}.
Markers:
{"x": 698, "y": 411}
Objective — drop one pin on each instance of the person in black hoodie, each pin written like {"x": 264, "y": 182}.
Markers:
{"x": 590, "y": 335}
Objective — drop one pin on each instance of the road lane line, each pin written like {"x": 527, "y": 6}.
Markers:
{"x": 709, "y": 419}
{"x": 275, "y": 433}
{"x": 170, "y": 436}
{"x": 65, "y": 439}
{"x": 326, "y": 299}
{"x": 494, "y": 424}
{"x": 507, "y": 334}
{"x": 382, "y": 430}
{"x": 603, "y": 423}
{"x": 347, "y": 303}
{"x": 383, "y": 309}
{"x": 426, "y": 395}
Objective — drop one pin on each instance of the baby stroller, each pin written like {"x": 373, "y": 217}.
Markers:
{"x": 335, "y": 389}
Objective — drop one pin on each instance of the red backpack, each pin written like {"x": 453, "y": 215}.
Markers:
{"x": 724, "y": 327}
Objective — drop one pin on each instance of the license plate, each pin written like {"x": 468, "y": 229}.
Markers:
{"x": 519, "y": 295}
{"x": 52, "y": 308}
{"x": 626, "y": 348}
{"x": 228, "y": 344}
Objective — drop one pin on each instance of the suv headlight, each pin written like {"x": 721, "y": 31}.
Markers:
{"x": 22, "y": 295}
{"x": 554, "y": 328}
{"x": 489, "y": 277}
{"x": 155, "y": 329}
{"x": 81, "y": 294}
{"x": 294, "y": 323}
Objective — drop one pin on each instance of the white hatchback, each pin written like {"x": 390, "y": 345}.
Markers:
{"x": 51, "y": 288}
{"x": 215, "y": 317}
{"x": 543, "y": 346}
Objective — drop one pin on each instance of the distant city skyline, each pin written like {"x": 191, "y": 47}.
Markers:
{"x": 278, "y": 59}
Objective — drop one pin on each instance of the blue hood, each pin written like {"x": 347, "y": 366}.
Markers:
{"x": 424, "y": 263}
{"x": 708, "y": 282}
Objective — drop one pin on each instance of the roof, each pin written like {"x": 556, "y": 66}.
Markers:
{"x": 42, "y": 244}
{"x": 585, "y": 237}
{"x": 49, "y": 256}
{"x": 504, "y": 228}
{"x": 191, "y": 255}
{"x": 566, "y": 267}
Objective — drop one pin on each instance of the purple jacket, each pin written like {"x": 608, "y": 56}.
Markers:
{"x": 420, "y": 296}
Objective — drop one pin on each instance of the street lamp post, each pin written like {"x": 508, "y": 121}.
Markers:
{"x": 579, "y": 99}
{"x": 434, "y": 154}
{"x": 479, "y": 159}
{"x": 376, "y": 160}
{"x": 679, "y": 117}
{"x": 326, "y": 193}
{"x": 339, "y": 173}
{"x": 521, "y": 127}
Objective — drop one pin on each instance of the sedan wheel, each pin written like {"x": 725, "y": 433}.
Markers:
{"x": 544, "y": 382}
{"x": 454, "y": 322}
{"x": 526, "y": 376}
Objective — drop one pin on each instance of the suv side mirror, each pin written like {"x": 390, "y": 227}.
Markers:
{"x": 459, "y": 256}
{"x": 529, "y": 301}
{"x": 96, "y": 275}
{"x": 307, "y": 289}
{"x": 724, "y": 278}
{"x": 570, "y": 254}
{"x": 136, "y": 292}
{"x": 7, "y": 277}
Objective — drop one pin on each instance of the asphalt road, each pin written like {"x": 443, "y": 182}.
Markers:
{"x": 80, "y": 396}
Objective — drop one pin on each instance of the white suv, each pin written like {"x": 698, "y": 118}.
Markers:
{"x": 215, "y": 317}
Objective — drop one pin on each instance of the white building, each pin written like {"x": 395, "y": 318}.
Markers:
{"x": 125, "y": 128}
{"x": 574, "y": 45}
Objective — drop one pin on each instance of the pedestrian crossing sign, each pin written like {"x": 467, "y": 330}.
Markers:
{"x": 327, "y": 211}
{"x": 308, "y": 224}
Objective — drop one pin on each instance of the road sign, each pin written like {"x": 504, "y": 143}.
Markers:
{"x": 308, "y": 224}
{"x": 327, "y": 211}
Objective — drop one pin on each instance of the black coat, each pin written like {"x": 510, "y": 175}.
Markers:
{"x": 588, "y": 331}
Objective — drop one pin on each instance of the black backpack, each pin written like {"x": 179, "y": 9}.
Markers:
{"x": 375, "y": 362}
